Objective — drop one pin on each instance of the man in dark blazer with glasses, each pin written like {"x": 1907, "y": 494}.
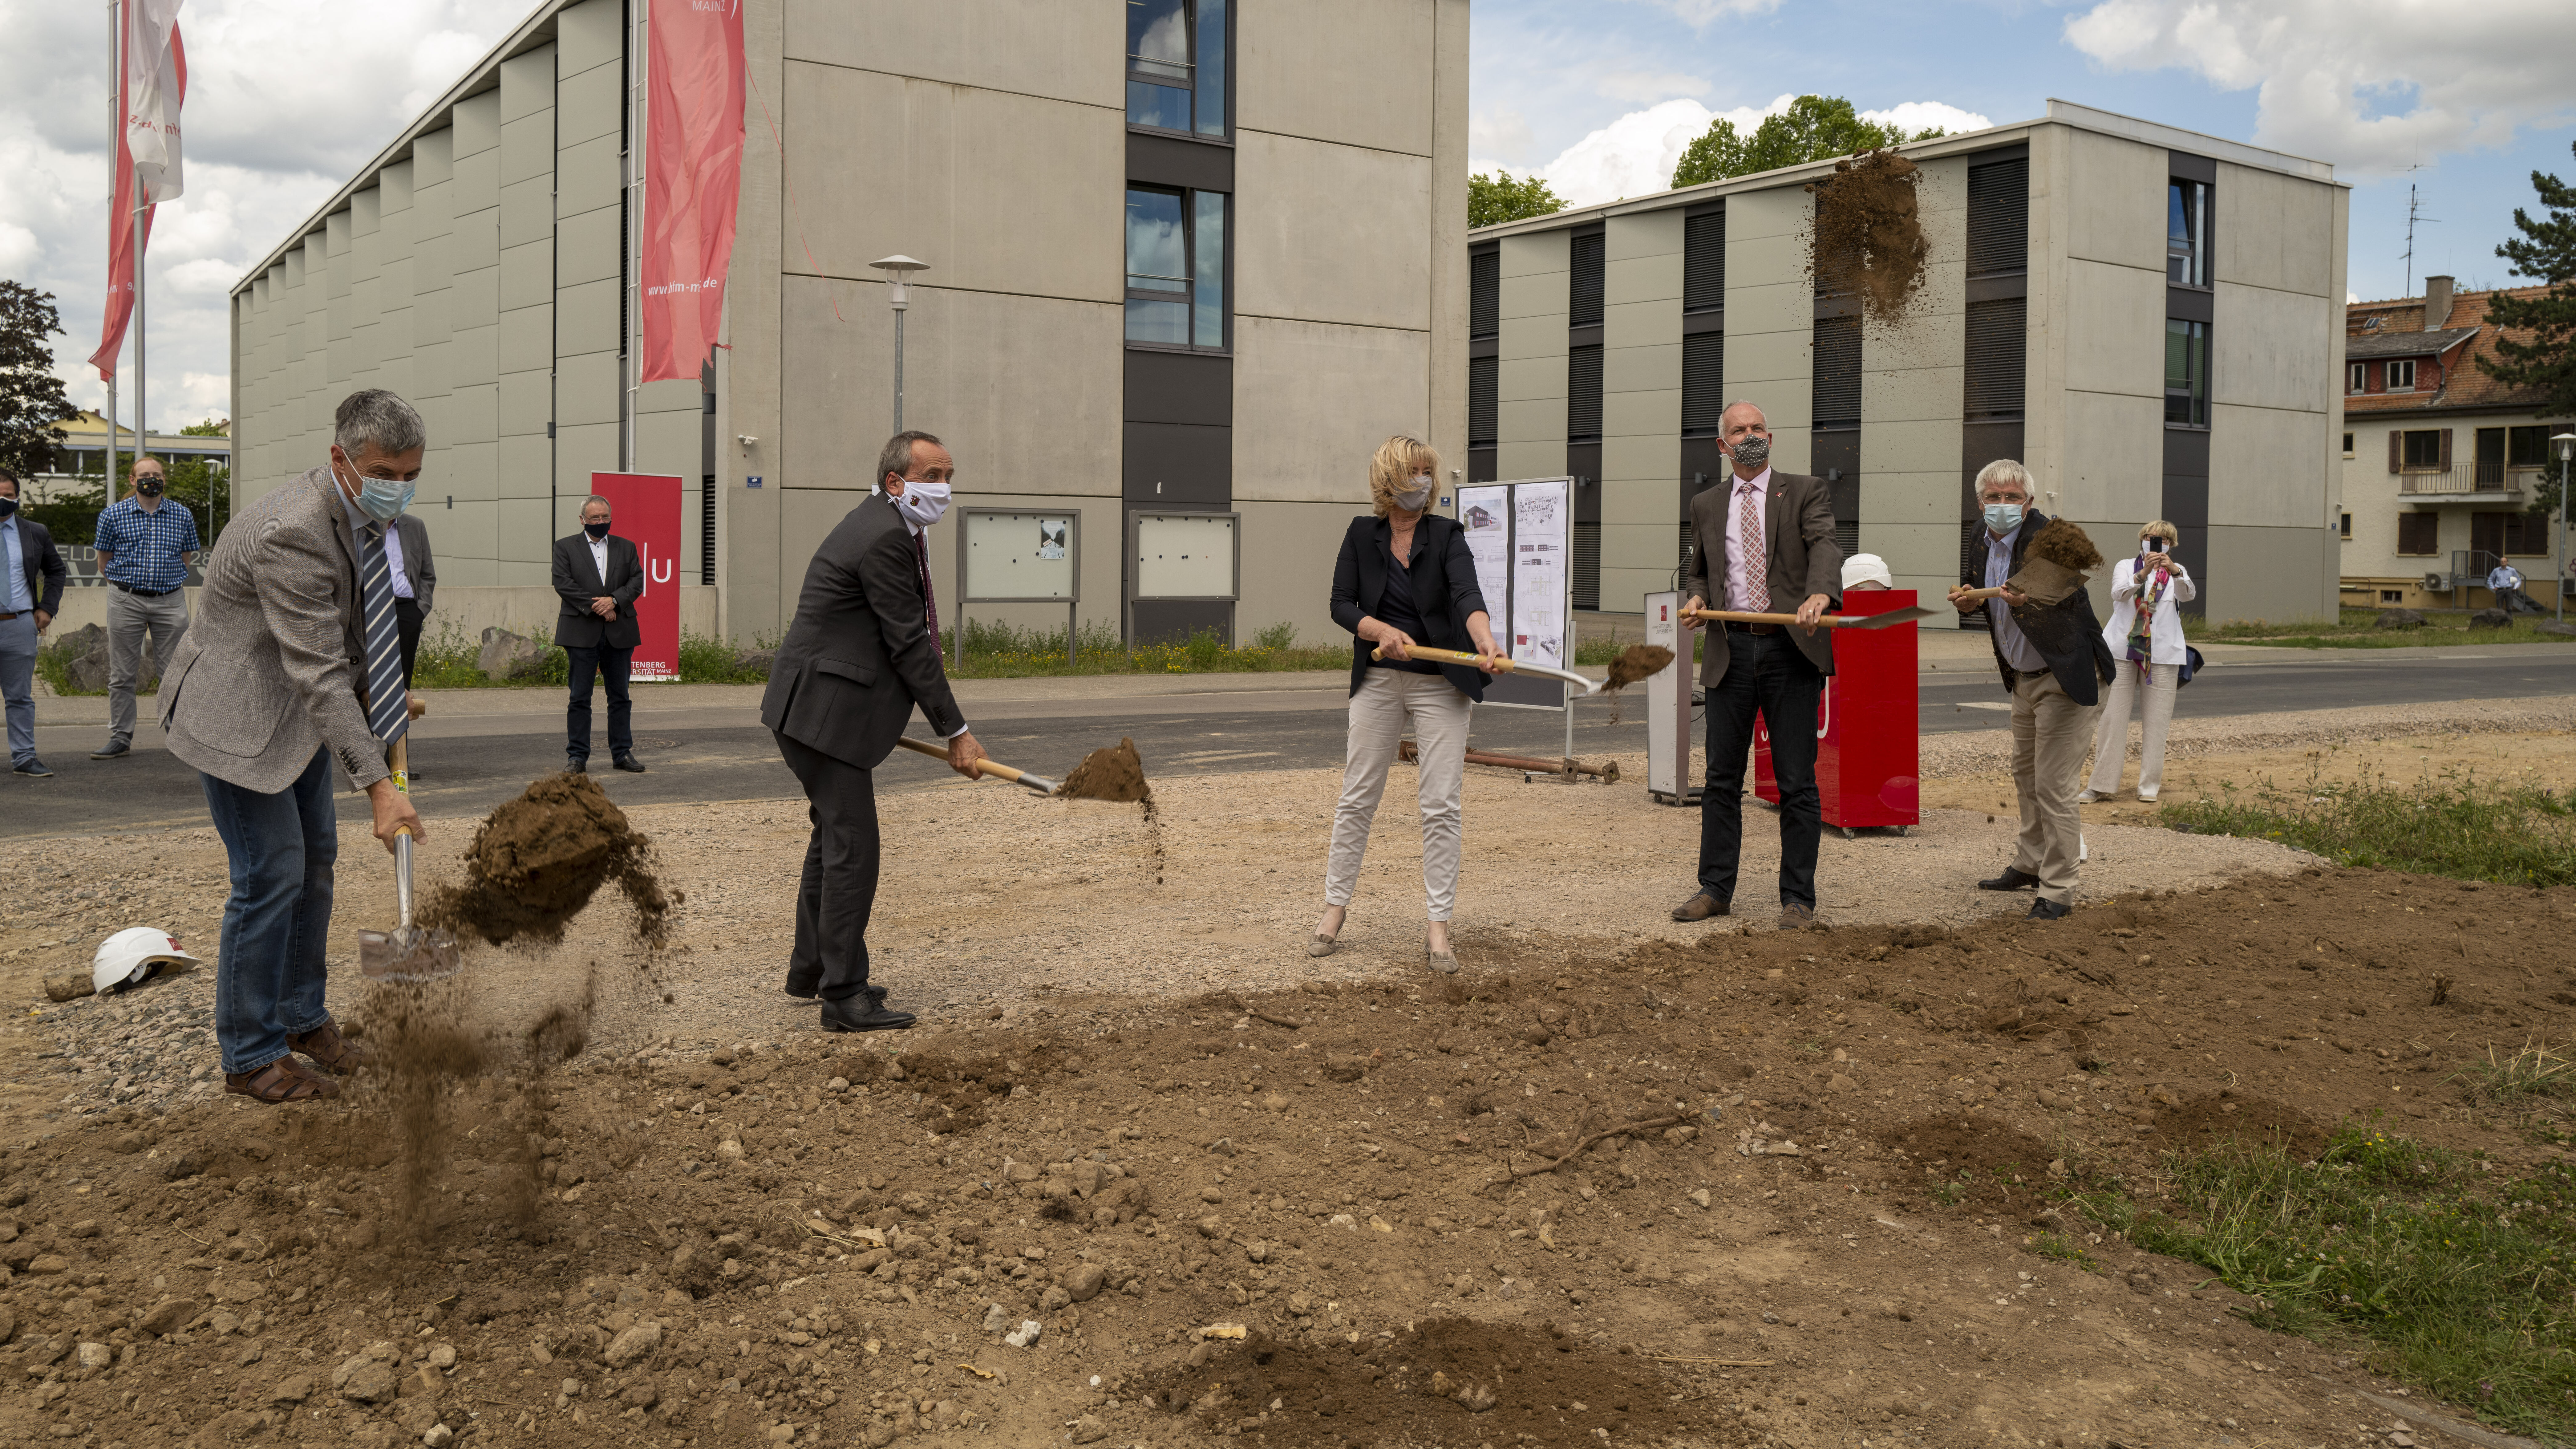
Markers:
{"x": 599, "y": 576}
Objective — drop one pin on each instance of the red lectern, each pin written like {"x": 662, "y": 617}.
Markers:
{"x": 1866, "y": 729}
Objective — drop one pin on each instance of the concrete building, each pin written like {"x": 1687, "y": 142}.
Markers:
{"x": 2439, "y": 458}
{"x": 2144, "y": 315}
{"x": 1186, "y": 259}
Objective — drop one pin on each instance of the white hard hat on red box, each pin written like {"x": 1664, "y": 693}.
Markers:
{"x": 135, "y": 955}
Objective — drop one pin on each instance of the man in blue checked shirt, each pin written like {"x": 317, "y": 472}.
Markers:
{"x": 145, "y": 544}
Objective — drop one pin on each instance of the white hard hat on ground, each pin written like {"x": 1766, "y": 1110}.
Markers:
{"x": 135, "y": 955}
{"x": 1866, "y": 568}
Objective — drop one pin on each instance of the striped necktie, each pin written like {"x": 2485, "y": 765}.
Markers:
{"x": 388, "y": 705}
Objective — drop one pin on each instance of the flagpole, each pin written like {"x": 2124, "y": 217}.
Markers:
{"x": 115, "y": 124}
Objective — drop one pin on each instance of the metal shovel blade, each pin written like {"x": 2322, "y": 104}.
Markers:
{"x": 408, "y": 953}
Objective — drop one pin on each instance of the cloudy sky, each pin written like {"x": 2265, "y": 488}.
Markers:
{"x": 288, "y": 97}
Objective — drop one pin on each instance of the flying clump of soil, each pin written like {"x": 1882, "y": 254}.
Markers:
{"x": 1117, "y": 774}
{"x": 1636, "y": 662}
{"x": 1867, "y": 236}
{"x": 539, "y": 858}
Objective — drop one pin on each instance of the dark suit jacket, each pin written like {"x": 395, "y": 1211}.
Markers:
{"x": 419, "y": 565}
{"x": 578, "y": 580}
{"x": 45, "y": 571}
{"x": 859, "y": 655}
{"x": 1442, "y": 574}
{"x": 1804, "y": 559}
{"x": 2066, "y": 635}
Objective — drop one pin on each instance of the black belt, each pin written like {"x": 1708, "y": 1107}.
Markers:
{"x": 1736, "y": 626}
{"x": 144, "y": 593}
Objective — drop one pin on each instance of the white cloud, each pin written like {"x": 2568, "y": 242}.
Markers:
{"x": 2370, "y": 88}
{"x": 1645, "y": 87}
{"x": 1635, "y": 154}
{"x": 1503, "y": 132}
{"x": 1709, "y": 12}
{"x": 286, "y": 99}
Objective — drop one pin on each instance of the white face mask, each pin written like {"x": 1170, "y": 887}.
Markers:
{"x": 1412, "y": 499}
{"x": 922, "y": 501}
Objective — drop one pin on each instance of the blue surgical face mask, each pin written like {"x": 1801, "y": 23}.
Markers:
{"x": 383, "y": 499}
{"x": 2003, "y": 517}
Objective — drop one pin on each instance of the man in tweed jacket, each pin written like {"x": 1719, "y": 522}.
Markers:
{"x": 265, "y": 701}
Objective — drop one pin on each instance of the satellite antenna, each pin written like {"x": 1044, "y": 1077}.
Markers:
{"x": 2414, "y": 214}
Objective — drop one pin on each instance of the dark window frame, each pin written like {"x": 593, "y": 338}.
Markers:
{"x": 2356, "y": 380}
{"x": 2427, "y": 527}
{"x": 2413, "y": 441}
{"x": 2390, "y": 369}
{"x": 1189, "y": 245}
{"x": 2194, "y": 394}
{"x": 2189, "y": 253}
{"x": 1194, "y": 16}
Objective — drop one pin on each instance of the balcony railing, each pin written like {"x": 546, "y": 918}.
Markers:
{"x": 2491, "y": 479}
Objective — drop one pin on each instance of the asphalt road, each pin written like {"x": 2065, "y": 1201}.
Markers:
{"x": 470, "y": 763}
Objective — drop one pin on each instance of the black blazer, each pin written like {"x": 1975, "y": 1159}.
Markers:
{"x": 2066, "y": 635}
{"x": 577, "y": 580}
{"x": 1443, "y": 575}
{"x": 859, "y": 655}
{"x": 419, "y": 565}
{"x": 45, "y": 571}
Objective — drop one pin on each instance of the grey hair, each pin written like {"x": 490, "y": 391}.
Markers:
{"x": 1743, "y": 402}
{"x": 896, "y": 456}
{"x": 375, "y": 416}
{"x": 2004, "y": 470}
{"x": 602, "y": 502}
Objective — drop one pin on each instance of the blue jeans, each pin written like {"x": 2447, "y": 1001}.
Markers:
{"x": 610, "y": 665}
{"x": 1765, "y": 674}
{"x": 270, "y": 973}
{"x": 18, "y": 684}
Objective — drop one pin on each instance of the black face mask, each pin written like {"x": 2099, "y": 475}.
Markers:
{"x": 595, "y": 530}
{"x": 148, "y": 487}
{"x": 8, "y": 506}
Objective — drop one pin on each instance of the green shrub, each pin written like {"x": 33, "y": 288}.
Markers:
{"x": 2458, "y": 825}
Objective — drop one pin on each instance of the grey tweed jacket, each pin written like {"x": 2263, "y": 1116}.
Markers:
{"x": 274, "y": 665}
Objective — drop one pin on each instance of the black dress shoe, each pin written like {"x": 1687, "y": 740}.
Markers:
{"x": 859, "y": 1013}
{"x": 875, "y": 993}
{"x": 112, "y": 750}
{"x": 2013, "y": 879}
{"x": 2045, "y": 909}
{"x": 630, "y": 764}
{"x": 577, "y": 767}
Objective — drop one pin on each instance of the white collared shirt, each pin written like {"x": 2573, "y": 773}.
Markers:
{"x": 598, "y": 556}
{"x": 1740, "y": 593}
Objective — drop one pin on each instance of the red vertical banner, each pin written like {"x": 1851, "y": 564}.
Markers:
{"x": 693, "y": 129}
{"x": 645, "y": 511}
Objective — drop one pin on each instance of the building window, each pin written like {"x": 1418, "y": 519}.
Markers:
{"x": 1703, "y": 383}
{"x": 2356, "y": 378}
{"x": 2392, "y": 596}
{"x": 2527, "y": 448}
{"x": 1586, "y": 287}
{"x": 2347, "y": 445}
{"x": 1176, "y": 65}
{"x": 1485, "y": 293}
{"x": 1176, "y": 268}
{"x": 1999, "y": 217}
{"x": 1834, "y": 382}
{"x": 2401, "y": 375}
{"x": 1583, "y": 394}
{"x": 2422, "y": 451}
{"x": 1993, "y": 384}
{"x": 1704, "y": 261}
{"x": 2187, "y": 233}
{"x": 2507, "y": 535}
{"x": 2344, "y": 529}
{"x": 2419, "y": 535}
{"x": 2186, "y": 373}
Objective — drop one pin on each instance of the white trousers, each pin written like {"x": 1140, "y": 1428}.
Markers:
{"x": 1387, "y": 701}
{"x": 2111, "y": 737}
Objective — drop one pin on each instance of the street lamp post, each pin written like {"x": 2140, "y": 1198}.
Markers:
{"x": 898, "y": 269}
{"x": 2566, "y": 445}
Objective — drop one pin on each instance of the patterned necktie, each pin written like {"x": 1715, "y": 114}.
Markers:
{"x": 388, "y": 705}
{"x": 929, "y": 603}
{"x": 1748, "y": 545}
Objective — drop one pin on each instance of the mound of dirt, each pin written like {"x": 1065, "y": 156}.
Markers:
{"x": 538, "y": 859}
{"x": 1113, "y": 774}
{"x": 1636, "y": 662}
{"x": 1867, "y": 237}
{"x": 1442, "y": 1381}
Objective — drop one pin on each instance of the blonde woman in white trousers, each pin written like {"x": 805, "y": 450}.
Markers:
{"x": 2145, "y": 635}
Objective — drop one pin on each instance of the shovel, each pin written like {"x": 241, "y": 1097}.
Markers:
{"x": 1039, "y": 783}
{"x": 1831, "y": 621}
{"x": 406, "y": 953}
{"x": 1501, "y": 666}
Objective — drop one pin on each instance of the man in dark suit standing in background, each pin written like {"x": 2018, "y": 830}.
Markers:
{"x": 861, "y": 653}
{"x": 600, "y": 577}
{"x": 2054, "y": 663}
{"x": 1765, "y": 545}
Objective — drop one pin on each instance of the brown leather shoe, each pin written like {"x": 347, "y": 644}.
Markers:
{"x": 335, "y": 1053}
{"x": 283, "y": 1080}
{"x": 1700, "y": 907}
{"x": 1799, "y": 918}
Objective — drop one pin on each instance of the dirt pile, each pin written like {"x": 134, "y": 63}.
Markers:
{"x": 538, "y": 859}
{"x": 1636, "y": 662}
{"x": 1868, "y": 239}
{"x": 1117, "y": 775}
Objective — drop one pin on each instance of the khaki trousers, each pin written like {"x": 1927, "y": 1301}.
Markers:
{"x": 2050, "y": 733}
{"x": 1387, "y": 700}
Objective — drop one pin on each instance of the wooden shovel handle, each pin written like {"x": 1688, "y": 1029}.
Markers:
{"x": 939, "y": 753}
{"x": 1994, "y": 593}
{"x": 1443, "y": 656}
{"x": 1739, "y": 616}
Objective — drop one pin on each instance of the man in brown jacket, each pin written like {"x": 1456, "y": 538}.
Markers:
{"x": 1765, "y": 544}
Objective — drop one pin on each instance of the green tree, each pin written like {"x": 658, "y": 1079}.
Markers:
{"x": 2546, "y": 251}
{"x": 1814, "y": 128}
{"x": 32, "y": 401}
{"x": 1499, "y": 198}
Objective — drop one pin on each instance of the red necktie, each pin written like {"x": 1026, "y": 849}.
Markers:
{"x": 929, "y": 602}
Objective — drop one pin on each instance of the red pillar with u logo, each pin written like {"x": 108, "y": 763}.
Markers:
{"x": 1868, "y": 740}
{"x": 644, "y": 509}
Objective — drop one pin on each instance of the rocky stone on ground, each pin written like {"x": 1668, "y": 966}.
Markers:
{"x": 2490, "y": 619}
{"x": 2399, "y": 619}
{"x": 506, "y": 656}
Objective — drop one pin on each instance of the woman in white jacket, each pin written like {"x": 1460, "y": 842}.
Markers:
{"x": 2145, "y": 635}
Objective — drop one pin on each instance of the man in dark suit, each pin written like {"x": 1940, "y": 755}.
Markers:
{"x": 1765, "y": 544}
{"x": 2054, "y": 663}
{"x": 860, "y": 655}
{"x": 600, "y": 577}
{"x": 31, "y": 593}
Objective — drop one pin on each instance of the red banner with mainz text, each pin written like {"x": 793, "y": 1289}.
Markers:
{"x": 693, "y": 132}
{"x": 644, "y": 509}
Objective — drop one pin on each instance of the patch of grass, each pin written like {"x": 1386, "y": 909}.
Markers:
{"x": 2358, "y": 629}
{"x": 2536, "y": 1078}
{"x": 54, "y": 666}
{"x": 998, "y": 650}
{"x": 2065, "y": 1250}
{"x": 1949, "y": 1194}
{"x": 2457, "y": 825}
{"x": 2463, "y": 1282}
{"x": 450, "y": 660}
